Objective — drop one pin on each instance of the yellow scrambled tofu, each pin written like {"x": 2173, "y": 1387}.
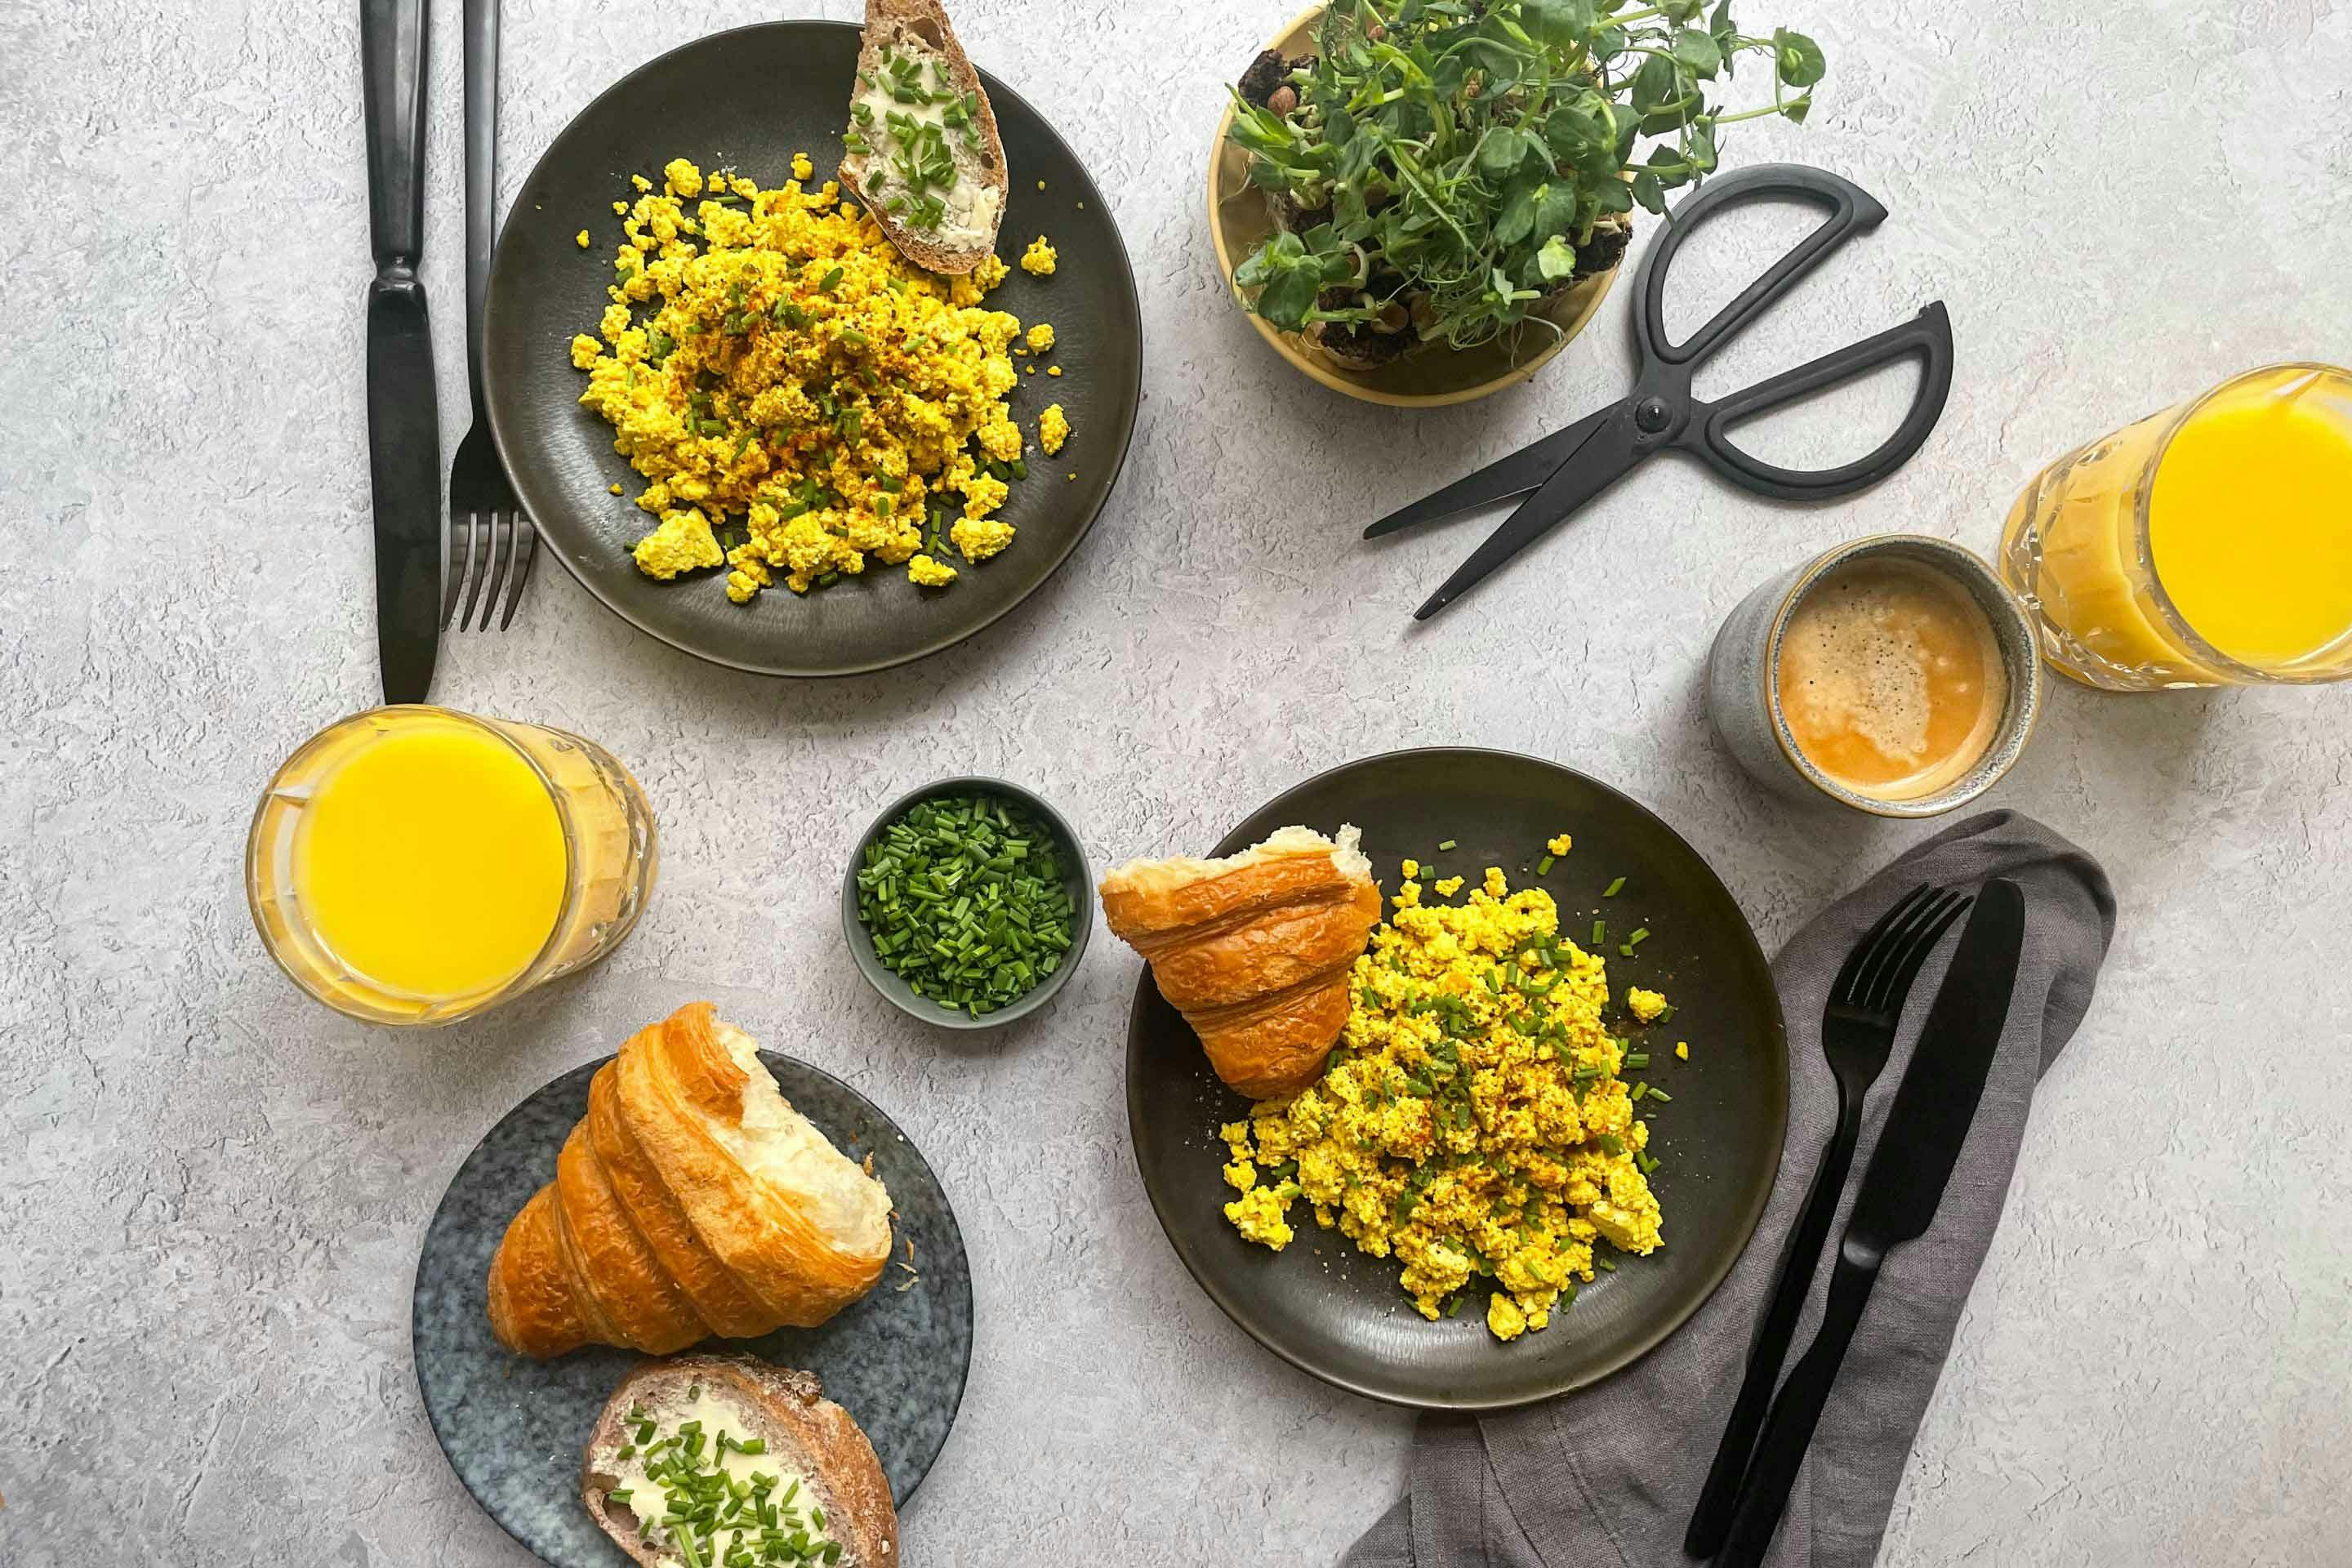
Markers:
{"x": 1039, "y": 258}
{"x": 1053, "y": 429}
{"x": 780, "y": 375}
{"x": 1646, "y": 1005}
{"x": 1471, "y": 1122}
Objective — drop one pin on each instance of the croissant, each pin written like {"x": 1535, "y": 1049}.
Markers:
{"x": 1253, "y": 949}
{"x": 691, "y": 1201}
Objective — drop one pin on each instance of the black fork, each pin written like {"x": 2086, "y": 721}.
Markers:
{"x": 1858, "y": 1026}
{"x": 491, "y": 540}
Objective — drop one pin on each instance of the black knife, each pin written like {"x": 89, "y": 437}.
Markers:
{"x": 1917, "y": 1148}
{"x": 403, "y": 421}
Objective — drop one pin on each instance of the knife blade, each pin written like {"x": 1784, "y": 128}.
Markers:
{"x": 1904, "y": 1186}
{"x": 1936, "y": 1101}
{"x": 404, "y": 413}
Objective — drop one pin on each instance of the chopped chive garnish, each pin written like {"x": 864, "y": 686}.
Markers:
{"x": 1661, "y": 1094}
{"x": 1637, "y": 1060}
{"x": 1543, "y": 867}
{"x": 1612, "y": 890}
{"x": 963, "y": 900}
{"x": 1447, "y": 844}
{"x": 1606, "y": 1265}
{"x": 1600, "y": 933}
{"x": 1641, "y": 934}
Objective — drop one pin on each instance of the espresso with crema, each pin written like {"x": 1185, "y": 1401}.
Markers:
{"x": 1890, "y": 678}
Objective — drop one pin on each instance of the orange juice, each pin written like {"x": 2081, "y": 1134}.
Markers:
{"x": 432, "y": 863}
{"x": 2250, "y": 523}
{"x": 418, "y": 866}
{"x": 2207, "y": 544}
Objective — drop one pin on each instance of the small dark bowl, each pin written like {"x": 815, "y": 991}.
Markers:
{"x": 1077, "y": 878}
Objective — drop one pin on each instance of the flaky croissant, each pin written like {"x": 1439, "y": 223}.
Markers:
{"x": 692, "y": 1200}
{"x": 1253, "y": 949}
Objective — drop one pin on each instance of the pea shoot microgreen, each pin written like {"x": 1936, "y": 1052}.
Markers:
{"x": 1444, "y": 166}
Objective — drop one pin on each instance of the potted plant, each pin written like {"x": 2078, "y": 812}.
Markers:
{"x": 1447, "y": 185}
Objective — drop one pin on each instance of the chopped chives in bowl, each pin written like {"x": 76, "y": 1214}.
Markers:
{"x": 965, "y": 897}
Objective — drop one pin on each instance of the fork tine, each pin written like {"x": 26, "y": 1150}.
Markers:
{"x": 1889, "y": 952}
{"x": 481, "y": 551}
{"x": 526, "y": 551}
{"x": 454, "y": 573}
{"x": 501, "y": 555}
{"x": 1896, "y": 983}
{"x": 1845, "y": 990}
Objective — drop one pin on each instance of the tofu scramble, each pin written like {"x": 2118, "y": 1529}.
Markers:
{"x": 1471, "y": 1122}
{"x": 801, "y": 400}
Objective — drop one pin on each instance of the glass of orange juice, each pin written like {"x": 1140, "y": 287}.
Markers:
{"x": 418, "y": 866}
{"x": 2210, "y": 544}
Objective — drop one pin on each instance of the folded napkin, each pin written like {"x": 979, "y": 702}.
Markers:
{"x": 1606, "y": 1477}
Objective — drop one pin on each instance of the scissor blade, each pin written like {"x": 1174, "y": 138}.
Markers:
{"x": 1515, "y": 474}
{"x": 1608, "y": 454}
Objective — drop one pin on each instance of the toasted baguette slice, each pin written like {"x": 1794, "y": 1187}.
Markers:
{"x": 917, "y": 30}
{"x": 810, "y": 1440}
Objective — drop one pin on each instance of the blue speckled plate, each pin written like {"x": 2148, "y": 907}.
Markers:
{"x": 514, "y": 1428}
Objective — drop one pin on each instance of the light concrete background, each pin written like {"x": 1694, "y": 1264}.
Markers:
{"x": 214, "y": 1190}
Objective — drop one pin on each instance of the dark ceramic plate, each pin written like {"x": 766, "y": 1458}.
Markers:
{"x": 750, "y": 99}
{"x": 514, "y": 1428}
{"x": 1332, "y": 1312}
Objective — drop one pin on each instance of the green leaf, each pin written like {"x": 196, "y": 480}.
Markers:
{"x": 1555, "y": 208}
{"x": 1560, "y": 22}
{"x": 1655, "y": 83}
{"x": 1698, "y": 147}
{"x": 1517, "y": 219}
{"x": 1555, "y": 260}
{"x": 1698, "y": 51}
{"x": 1682, "y": 10}
{"x": 1278, "y": 255}
{"x": 1613, "y": 196}
{"x": 1797, "y": 58}
{"x": 1793, "y": 110}
{"x": 1648, "y": 192}
{"x": 1285, "y": 300}
{"x": 1569, "y": 131}
{"x": 1501, "y": 151}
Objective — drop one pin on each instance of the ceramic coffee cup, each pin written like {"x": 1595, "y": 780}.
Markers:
{"x": 1743, "y": 695}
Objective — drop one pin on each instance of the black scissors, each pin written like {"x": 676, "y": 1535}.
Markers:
{"x": 1568, "y": 467}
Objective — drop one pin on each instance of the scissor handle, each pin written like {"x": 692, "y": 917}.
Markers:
{"x": 1850, "y": 210}
{"x": 1925, "y": 337}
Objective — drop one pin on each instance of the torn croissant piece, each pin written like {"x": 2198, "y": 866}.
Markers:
{"x": 1253, "y": 949}
{"x": 691, "y": 1201}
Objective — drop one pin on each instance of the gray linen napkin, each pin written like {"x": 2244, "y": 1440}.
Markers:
{"x": 1606, "y": 1477}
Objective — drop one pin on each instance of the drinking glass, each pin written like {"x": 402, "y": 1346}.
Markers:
{"x": 2077, "y": 549}
{"x": 610, "y": 856}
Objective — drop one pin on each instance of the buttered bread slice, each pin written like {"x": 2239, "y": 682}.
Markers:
{"x": 722, "y": 1459}
{"x": 921, "y": 150}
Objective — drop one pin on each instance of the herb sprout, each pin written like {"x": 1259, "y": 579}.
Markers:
{"x": 1440, "y": 168}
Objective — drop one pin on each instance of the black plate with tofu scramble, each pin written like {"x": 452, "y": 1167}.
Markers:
{"x": 1681, "y": 1079}
{"x": 790, "y": 535}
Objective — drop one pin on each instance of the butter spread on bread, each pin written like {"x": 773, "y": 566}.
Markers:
{"x": 1253, "y": 949}
{"x": 720, "y": 1460}
{"x": 921, "y": 150}
{"x": 691, "y": 1201}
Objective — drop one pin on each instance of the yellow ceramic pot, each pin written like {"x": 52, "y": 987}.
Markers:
{"x": 1430, "y": 377}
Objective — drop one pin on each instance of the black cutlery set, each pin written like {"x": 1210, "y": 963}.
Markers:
{"x": 1764, "y": 1442}
{"x": 416, "y": 595}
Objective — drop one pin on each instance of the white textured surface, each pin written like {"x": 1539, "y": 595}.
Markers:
{"x": 214, "y": 1190}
